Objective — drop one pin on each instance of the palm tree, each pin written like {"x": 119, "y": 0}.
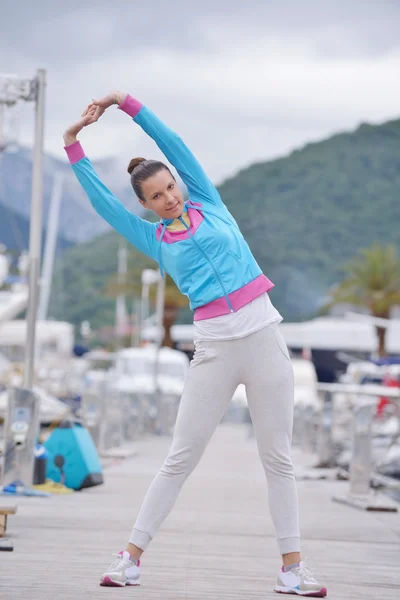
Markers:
{"x": 174, "y": 300}
{"x": 372, "y": 281}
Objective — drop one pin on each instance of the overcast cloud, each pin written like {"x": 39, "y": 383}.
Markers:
{"x": 240, "y": 81}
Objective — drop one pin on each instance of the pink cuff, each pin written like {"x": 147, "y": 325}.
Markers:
{"x": 75, "y": 152}
{"x": 130, "y": 106}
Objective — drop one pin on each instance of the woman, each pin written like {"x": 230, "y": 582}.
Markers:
{"x": 237, "y": 340}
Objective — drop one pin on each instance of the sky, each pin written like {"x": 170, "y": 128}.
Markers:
{"x": 241, "y": 82}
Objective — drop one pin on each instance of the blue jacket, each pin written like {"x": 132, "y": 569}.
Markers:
{"x": 210, "y": 262}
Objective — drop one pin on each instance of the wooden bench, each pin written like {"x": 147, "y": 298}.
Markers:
{"x": 4, "y": 512}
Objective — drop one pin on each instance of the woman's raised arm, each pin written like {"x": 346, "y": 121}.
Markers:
{"x": 137, "y": 231}
{"x": 175, "y": 150}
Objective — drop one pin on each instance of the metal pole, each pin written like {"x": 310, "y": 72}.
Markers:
{"x": 160, "y": 310}
{"x": 136, "y": 322}
{"x": 35, "y": 231}
{"x": 2, "y": 136}
{"x": 159, "y": 339}
{"x": 50, "y": 247}
{"x": 120, "y": 307}
{"x": 324, "y": 436}
{"x": 361, "y": 456}
{"x": 144, "y": 306}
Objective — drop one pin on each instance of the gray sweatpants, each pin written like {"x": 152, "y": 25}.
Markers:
{"x": 261, "y": 362}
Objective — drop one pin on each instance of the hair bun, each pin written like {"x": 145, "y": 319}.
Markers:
{"x": 134, "y": 163}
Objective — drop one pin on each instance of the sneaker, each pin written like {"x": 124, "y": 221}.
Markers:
{"x": 123, "y": 571}
{"x": 299, "y": 581}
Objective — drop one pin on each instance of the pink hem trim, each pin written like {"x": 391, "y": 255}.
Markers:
{"x": 170, "y": 237}
{"x": 75, "y": 152}
{"x": 246, "y": 294}
{"x": 130, "y": 106}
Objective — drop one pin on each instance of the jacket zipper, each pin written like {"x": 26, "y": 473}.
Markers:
{"x": 210, "y": 263}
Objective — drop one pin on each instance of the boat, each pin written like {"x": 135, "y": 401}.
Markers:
{"x": 150, "y": 384}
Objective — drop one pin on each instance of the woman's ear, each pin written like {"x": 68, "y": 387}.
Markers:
{"x": 143, "y": 203}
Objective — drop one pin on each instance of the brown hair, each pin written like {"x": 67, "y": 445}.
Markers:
{"x": 141, "y": 169}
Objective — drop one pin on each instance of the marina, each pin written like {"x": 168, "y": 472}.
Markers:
{"x": 218, "y": 541}
{"x": 245, "y": 278}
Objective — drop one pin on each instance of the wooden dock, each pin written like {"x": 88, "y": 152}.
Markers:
{"x": 218, "y": 543}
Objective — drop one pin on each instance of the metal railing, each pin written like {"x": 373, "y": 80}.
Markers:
{"x": 320, "y": 425}
{"x": 117, "y": 419}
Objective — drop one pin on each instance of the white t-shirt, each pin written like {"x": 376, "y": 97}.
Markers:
{"x": 251, "y": 318}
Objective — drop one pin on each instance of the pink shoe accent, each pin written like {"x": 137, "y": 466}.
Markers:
{"x": 108, "y": 582}
{"x": 320, "y": 594}
{"x": 238, "y": 299}
{"x": 75, "y": 152}
{"x": 130, "y": 106}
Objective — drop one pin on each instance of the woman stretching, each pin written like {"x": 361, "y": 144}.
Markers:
{"x": 237, "y": 340}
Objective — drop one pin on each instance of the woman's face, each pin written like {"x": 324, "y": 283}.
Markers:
{"x": 162, "y": 195}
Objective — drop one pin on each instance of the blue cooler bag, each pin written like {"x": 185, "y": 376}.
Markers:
{"x": 73, "y": 458}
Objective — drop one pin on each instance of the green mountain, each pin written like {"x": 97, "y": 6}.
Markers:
{"x": 81, "y": 275}
{"x": 303, "y": 215}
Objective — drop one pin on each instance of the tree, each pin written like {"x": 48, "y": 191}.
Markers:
{"x": 174, "y": 300}
{"x": 372, "y": 281}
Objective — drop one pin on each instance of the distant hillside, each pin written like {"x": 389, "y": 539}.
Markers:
{"x": 303, "y": 215}
{"x": 76, "y": 217}
{"x": 14, "y": 231}
{"x": 306, "y": 214}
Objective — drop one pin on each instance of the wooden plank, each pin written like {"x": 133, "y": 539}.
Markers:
{"x": 3, "y": 524}
{"x": 8, "y": 510}
{"x": 218, "y": 542}
{"x": 4, "y": 512}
